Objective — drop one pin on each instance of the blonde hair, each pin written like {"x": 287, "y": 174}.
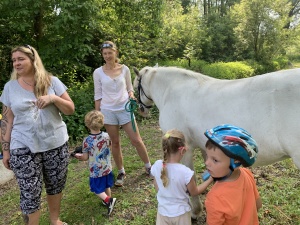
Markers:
{"x": 171, "y": 143}
{"x": 94, "y": 120}
{"x": 42, "y": 77}
{"x": 114, "y": 48}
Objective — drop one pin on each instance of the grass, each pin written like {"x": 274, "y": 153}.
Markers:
{"x": 296, "y": 64}
{"x": 278, "y": 185}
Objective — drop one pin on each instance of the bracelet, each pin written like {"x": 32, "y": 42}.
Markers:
{"x": 50, "y": 99}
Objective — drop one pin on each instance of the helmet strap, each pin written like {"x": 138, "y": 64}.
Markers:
{"x": 233, "y": 164}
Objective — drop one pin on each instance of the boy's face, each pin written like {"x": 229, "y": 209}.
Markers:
{"x": 217, "y": 163}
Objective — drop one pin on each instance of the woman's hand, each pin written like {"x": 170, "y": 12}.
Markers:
{"x": 64, "y": 103}
{"x": 44, "y": 101}
{"x": 6, "y": 157}
{"x": 131, "y": 95}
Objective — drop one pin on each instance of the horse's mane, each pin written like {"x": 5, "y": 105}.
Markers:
{"x": 188, "y": 73}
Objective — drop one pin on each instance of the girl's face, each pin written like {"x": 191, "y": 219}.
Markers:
{"x": 109, "y": 55}
{"x": 217, "y": 163}
{"x": 22, "y": 63}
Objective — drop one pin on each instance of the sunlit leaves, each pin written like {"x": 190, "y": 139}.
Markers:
{"x": 260, "y": 27}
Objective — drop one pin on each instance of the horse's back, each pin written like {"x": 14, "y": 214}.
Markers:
{"x": 265, "y": 105}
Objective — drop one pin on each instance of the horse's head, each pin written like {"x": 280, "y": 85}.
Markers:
{"x": 144, "y": 97}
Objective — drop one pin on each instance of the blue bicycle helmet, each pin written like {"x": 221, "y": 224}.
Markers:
{"x": 235, "y": 142}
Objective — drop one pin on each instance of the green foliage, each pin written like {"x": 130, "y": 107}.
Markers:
{"x": 218, "y": 42}
{"x": 180, "y": 34}
{"x": 270, "y": 66}
{"x": 61, "y": 31}
{"x": 195, "y": 65}
{"x": 82, "y": 95}
{"x": 231, "y": 70}
{"x": 258, "y": 67}
{"x": 68, "y": 33}
{"x": 133, "y": 26}
{"x": 260, "y": 28}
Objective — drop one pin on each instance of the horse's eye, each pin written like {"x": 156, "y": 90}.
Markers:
{"x": 142, "y": 108}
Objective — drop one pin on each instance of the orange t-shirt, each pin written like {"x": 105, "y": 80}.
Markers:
{"x": 233, "y": 202}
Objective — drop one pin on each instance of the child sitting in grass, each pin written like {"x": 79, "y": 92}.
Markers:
{"x": 96, "y": 149}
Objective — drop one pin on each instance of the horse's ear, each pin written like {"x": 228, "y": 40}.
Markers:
{"x": 136, "y": 71}
{"x": 156, "y": 65}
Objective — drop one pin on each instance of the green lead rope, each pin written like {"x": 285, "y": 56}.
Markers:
{"x": 131, "y": 106}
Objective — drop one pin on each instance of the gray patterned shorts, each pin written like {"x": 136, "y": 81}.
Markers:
{"x": 31, "y": 169}
{"x": 116, "y": 117}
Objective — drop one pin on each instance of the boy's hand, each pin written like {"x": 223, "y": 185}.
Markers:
{"x": 78, "y": 156}
{"x": 77, "y": 150}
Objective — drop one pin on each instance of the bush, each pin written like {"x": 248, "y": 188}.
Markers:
{"x": 270, "y": 66}
{"x": 82, "y": 95}
{"x": 193, "y": 64}
{"x": 258, "y": 68}
{"x": 230, "y": 70}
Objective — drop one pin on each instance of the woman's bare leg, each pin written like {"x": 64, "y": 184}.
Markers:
{"x": 33, "y": 218}
{"x": 113, "y": 132}
{"x": 54, "y": 202}
{"x": 137, "y": 141}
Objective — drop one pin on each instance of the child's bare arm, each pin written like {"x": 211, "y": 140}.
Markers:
{"x": 197, "y": 190}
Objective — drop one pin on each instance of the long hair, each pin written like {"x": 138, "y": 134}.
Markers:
{"x": 42, "y": 77}
{"x": 171, "y": 142}
{"x": 113, "y": 47}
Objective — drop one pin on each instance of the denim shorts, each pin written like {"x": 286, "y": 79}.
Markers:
{"x": 99, "y": 184}
{"x": 116, "y": 117}
{"x": 31, "y": 169}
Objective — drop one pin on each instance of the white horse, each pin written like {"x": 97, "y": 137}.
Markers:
{"x": 267, "y": 106}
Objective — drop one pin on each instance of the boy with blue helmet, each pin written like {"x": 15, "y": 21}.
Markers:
{"x": 234, "y": 198}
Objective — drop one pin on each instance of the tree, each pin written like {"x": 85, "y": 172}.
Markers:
{"x": 293, "y": 13}
{"x": 68, "y": 33}
{"x": 181, "y": 33}
{"x": 220, "y": 7}
{"x": 260, "y": 28}
{"x": 61, "y": 30}
{"x": 132, "y": 25}
{"x": 219, "y": 41}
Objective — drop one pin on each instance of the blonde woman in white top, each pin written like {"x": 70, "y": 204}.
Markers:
{"x": 113, "y": 89}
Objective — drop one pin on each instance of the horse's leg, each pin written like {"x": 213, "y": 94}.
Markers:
{"x": 195, "y": 200}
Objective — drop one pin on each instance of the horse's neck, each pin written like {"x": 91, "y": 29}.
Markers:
{"x": 158, "y": 84}
{"x": 168, "y": 80}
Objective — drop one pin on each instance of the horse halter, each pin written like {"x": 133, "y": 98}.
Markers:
{"x": 140, "y": 89}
